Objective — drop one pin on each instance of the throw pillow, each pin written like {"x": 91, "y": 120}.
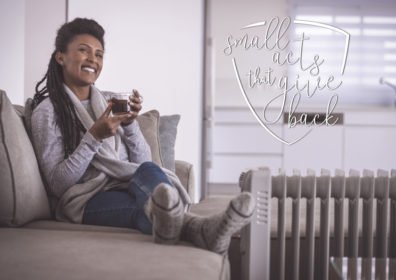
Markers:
{"x": 149, "y": 125}
{"x": 22, "y": 194}
{"x": 167, "y": 135}
{"x": 28, "y": 117}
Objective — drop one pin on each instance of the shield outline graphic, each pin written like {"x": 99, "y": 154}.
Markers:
{"x": 304, "y": 22}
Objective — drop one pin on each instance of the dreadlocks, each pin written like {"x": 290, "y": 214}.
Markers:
{"x": 51, "y": 85}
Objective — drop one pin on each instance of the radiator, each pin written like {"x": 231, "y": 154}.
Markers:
{"x": 376, "y": 233}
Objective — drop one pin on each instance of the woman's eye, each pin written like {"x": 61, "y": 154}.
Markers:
{"x": 99, "y": 55}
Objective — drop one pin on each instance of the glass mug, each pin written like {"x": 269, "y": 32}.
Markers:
{"x": 120, "y": 103}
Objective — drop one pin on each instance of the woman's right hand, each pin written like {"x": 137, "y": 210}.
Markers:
{"x": 106, "y": 126}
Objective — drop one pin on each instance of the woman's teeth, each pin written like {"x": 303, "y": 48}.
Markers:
{"x": 89, "y": 69}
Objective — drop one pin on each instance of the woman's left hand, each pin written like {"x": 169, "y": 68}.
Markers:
{"x": 135, "y": 102}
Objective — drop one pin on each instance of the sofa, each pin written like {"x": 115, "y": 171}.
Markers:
{"x": 35, "y": 246}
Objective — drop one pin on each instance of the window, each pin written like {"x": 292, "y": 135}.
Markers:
{"x": 372, "y": 51}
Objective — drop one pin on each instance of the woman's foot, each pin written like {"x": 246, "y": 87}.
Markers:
{"x": 166, "y": 212}
{"x": 214, "y": 232}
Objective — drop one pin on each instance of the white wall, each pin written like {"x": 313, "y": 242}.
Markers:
{"x": 12, "y": 21}
{"x": 228, "y": 17}
{"x": 157, "y": 49}
{"x": 41, "y": 25}
{"x": 28, "y": 33}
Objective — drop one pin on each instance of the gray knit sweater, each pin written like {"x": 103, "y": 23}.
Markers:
{"x": 60, "y": 173}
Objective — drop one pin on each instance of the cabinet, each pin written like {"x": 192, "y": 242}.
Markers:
{"x": 370, "y": 147}
{"x": 322, "y": 148}
{"x": 365, "y": 140}
{"x": 240, "y": 143}
{"x": 370, "y": 140}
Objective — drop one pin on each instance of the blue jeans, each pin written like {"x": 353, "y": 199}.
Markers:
{"x": 126, "y": 208}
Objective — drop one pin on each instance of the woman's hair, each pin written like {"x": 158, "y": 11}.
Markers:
{"x": 65, "y": 113}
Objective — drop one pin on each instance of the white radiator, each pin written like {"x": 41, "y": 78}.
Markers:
{"x": 375, "y": 237}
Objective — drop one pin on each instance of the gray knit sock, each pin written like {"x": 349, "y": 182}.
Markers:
{"x": 165, "y": 210}
{"x": 214, "y": 232}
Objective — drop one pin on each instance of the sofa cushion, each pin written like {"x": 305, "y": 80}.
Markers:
{"x": 167, "y": 134}
{"x": 27, "y": 116}
{"x": 57, "y": 254}
{"x": 185, "y": 172}
{"x": 22, "y": 193}
{"x": 149, "y": 125}
{"x": 213, "y": 204}
{"x": 160, "y": 133}
{"x": 56, "y": 225}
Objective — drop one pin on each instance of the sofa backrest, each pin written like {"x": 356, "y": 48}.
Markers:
{"x": 22, "y": 193}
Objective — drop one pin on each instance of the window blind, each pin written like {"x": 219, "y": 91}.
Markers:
{"x": 371, "y": 56}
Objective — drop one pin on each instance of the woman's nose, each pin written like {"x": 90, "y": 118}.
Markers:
{"x": 91, "y": 57}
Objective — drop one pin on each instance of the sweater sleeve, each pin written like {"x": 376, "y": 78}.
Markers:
{"x": 60, "y": 173}
{"x": 138, "y": 149}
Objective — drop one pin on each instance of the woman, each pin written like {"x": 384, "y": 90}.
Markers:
{"x": 98, "y": 166}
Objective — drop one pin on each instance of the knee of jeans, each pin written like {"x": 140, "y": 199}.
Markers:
{"x": 148, "y": 165}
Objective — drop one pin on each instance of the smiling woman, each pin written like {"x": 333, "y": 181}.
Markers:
{"x": 98, "y": 166}
{"x": 65, "y": 67}
{"x": 82, "y": 63}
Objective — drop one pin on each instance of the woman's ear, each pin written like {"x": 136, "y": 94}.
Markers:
{"x": 59, "y": 57}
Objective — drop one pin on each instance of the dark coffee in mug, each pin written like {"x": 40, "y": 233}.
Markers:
{"x": 120, "y": 104}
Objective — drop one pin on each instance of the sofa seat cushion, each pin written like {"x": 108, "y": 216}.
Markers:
{"x": 62, "y": 254}
{"x": 211, "y": 205}
{"x": 55, "y": 225}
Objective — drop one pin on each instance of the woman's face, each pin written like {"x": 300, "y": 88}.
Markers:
{"x": 82, "y": 62}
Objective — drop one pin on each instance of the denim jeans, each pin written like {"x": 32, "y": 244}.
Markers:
{"x": 126, "y": 208}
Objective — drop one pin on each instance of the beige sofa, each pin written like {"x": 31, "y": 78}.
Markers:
{"x": 34, "y": 246}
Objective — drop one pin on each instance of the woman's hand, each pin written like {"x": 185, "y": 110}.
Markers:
{"x": 135, "y": 102}
{"x": 106, "y": 126}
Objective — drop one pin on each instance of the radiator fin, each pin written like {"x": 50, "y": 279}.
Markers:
{"x": 367, "y": 233}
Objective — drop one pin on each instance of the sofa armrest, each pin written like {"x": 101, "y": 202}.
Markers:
{"x": 184, "y": 170}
